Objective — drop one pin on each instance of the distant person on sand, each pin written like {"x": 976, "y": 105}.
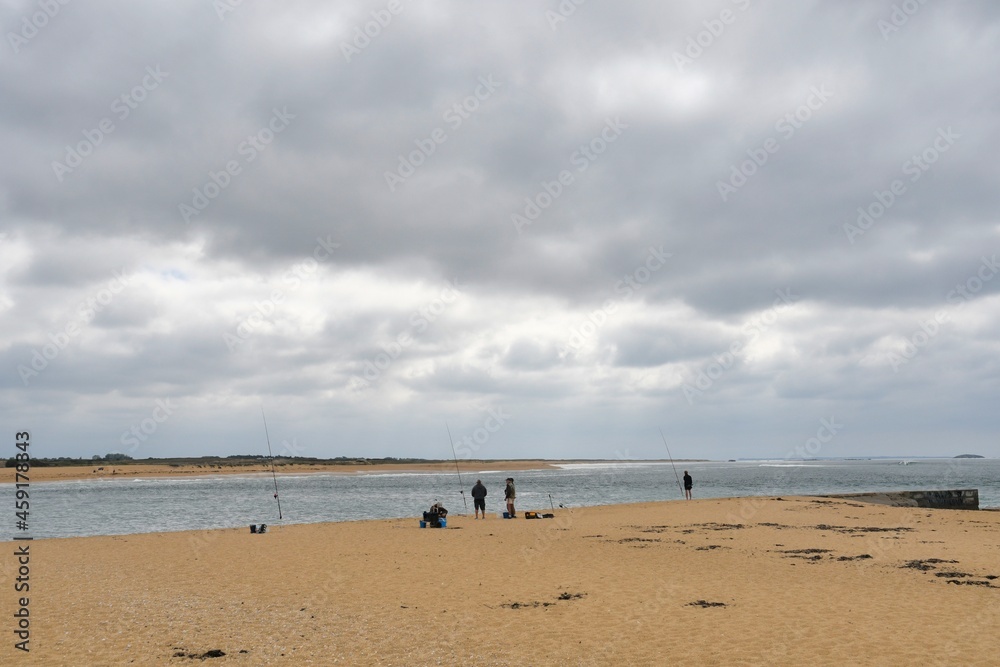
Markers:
{"x": 479, "y": 497}
{"x": 509, "y": 494}
{"x": 688, "y": 483}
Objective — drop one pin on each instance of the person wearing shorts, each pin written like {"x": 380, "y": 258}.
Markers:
{"x": 479, "y": 497}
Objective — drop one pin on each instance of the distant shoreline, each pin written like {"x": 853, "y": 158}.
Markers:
{"x": 102, "y": 470}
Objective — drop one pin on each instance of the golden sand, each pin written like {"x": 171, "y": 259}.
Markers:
{"x": 794, "y": 581}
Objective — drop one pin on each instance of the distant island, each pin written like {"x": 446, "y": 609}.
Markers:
{"x": 970, "y": 456}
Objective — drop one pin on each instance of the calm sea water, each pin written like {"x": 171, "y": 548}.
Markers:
{"x": 124, "y": 505}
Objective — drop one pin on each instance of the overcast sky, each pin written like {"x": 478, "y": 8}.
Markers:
{"x": 767, "y": 228}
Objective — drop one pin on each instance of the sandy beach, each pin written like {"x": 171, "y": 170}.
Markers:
{"x": 793, "y": 581}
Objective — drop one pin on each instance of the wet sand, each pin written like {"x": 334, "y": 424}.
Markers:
{"x": 794, "y": 581}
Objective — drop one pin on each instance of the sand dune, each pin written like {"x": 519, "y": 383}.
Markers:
{"x": 793, "y": 581}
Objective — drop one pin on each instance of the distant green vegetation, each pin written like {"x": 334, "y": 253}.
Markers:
{"x": 233, "y": 460}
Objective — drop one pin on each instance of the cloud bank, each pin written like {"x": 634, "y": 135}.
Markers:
{"x": 729, "y": 221}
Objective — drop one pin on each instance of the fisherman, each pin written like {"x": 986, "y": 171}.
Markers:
{"x": 479, "y": 497}
{"x": 509, "y": 495}
{"x": 688, "y": 483}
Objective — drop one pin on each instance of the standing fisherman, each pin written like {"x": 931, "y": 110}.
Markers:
{"x": 479, "y": 497}
{"x": 509, "y": 494}
{"x": 688, "y": 483}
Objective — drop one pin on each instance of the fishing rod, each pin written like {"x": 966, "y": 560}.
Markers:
{"x": 679, "y": 487}
{"x": 271, "y": 458}
{"x": 551, "y": 504}
{"x": 461, "y": 486}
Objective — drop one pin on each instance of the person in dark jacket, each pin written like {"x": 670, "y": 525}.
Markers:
{"x": 688, "y": 483}
{"x": 479, "y": 497}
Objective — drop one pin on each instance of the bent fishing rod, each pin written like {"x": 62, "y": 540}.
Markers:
{"x": 461, "y": 486}
{"x": 271, "y": 458}
{"x": 679, "y": 487}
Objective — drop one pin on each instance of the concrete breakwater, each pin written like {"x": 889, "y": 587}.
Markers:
{"x": 953, "y": 499}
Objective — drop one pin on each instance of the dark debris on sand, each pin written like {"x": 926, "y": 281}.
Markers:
{"x": 966, "y": 582}
{"x": 626, "y": 540}
{"x": 570, "y": 596}
{"x": 863, "y": 529}
{"x": 925, "y": 564}
{"x": 525, "y": 605}
{"x": 721, "y": 526}
{"x": 214, "y": 653}
{"x": 705, "y": 604}
{"x": 562, "y": 596}
{"x": 805, "y": 554}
